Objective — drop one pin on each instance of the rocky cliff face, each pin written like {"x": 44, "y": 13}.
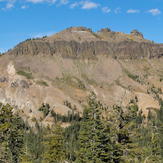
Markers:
{"x": 83, "y": 43}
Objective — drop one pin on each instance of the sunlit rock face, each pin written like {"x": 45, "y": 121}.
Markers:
{"x": 79, "y": 42}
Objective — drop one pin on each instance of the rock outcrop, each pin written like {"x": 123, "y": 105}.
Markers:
{"x": 136, "y": 33}
{"x": 79, "y": 42}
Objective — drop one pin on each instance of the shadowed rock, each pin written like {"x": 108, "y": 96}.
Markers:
{"x": 3, "y": 79}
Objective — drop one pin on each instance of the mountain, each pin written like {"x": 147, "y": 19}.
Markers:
{"x": 79, "y": 42}
{"x": 62, "y": 69}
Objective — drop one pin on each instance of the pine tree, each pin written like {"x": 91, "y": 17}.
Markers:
{"x": 33, "y": 147}
{"x": 129, "y": 121}
{"x": 71, "y": 135}
{"x": 26, "y": 156}
{"x": 11, "y": 134}
{"x": 161, "y": 126}
{"x": 54, "y": 146}
{"x": 94, "y": 135}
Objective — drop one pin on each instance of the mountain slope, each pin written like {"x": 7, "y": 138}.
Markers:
{"x": 67, "y": 66}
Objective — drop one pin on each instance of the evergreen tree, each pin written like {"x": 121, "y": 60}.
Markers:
{"x": 11, "y": 134}
{"x": 71, "y": 135}
{"x": 94, "y": 135}
{"x": 54, "y": 146}
{"x": 129, "y": 122}
{"x": 33, "y": 147}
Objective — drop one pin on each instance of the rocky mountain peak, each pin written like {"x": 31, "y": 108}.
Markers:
{"x": 105, "y": 30}
{"x": 79, "y": 42}
{"x": 78, "y": 34}
{"x": 137, "y": 33}
{"x": 78, "y": 29}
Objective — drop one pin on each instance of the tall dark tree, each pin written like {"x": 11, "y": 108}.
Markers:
{"x": 94, "y": 135}
{"x": 11, "y": 134}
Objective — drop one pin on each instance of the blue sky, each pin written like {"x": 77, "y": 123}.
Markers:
{"x": 22, "y": 19}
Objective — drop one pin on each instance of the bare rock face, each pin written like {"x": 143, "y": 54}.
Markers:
{"x": 78, "y": 29}
{"x": 20, "y": 84}
{"x": 74, "y": 49}
{"x": 3, "y": 79}
{"x": 81, "y": 42}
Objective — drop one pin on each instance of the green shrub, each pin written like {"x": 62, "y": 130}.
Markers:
{"x": 133, "y": 76}
{"x": 45, "y": 108}
{"x": 72, "y": 81}
{"x": 28, "y": 75}
{"x": 42, "y": 83}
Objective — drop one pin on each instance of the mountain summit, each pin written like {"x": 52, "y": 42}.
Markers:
{"x": 79, "y": 42}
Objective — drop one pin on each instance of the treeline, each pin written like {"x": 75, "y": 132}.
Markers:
{"x": 111, "y": 135}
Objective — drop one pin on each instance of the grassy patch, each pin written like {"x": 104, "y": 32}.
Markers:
{"x": 90, "y": 81}
{"x": 28, "y": 75}
{"x": 133, "y": 76}
{"x": 71, "y": 80}
{"x": 42, "y": 83}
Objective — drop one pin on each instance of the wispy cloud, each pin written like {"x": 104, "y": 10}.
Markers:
{"x": 41, "y": 1}
{"x": 42, "y": 34}
{"x": 81, "y": 4}
{"x": 106, "y": 9}
{"x": 24, "y": 7}
{"x": 75, "y": 4}
{"x": 64, "y": 2}
{"x": 133, "y": 11}
{"x": 154, "y": 11}
{"x": 89, "y": 5}
{"x": 86, "y": 5}
{"x": 9, "y": 5}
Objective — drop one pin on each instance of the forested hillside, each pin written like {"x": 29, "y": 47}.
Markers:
{"x": 102, "y": 134}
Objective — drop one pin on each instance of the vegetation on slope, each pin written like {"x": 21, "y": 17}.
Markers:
{"x": 28, "y": 75}
{"x": 112, "y": 135}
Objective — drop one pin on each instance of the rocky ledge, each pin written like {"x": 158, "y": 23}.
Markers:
{"x": 79, "y": 42}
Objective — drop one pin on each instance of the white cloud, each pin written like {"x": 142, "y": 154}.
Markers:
{"x": 75, "y": 4}
{"x": 89, "y": 5}
{"x": 154, "y": 11}
{"x": 86, "y": 5}
{"x": 9, "y": 5}
{"x": 106, "y": 9}
{"x": 41, "y": 1}
{"x": 24, "y": 7}
{"x": 132, "y": 11}
{"x": 42, "y": 34}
